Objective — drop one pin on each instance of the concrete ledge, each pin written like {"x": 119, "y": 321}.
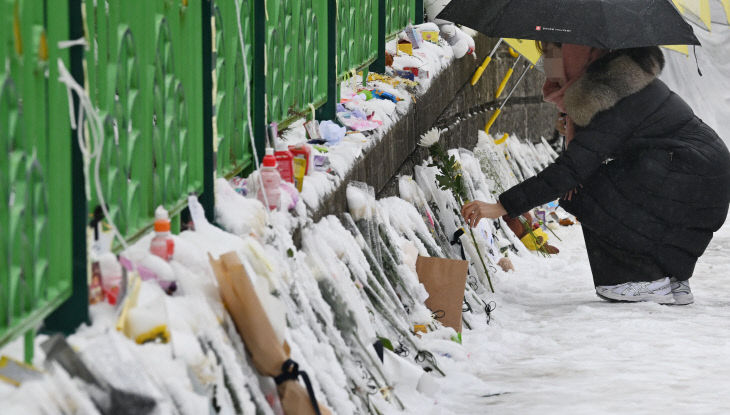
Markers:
{"x": 450, "y": 93}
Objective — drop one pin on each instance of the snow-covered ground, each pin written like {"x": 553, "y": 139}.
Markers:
{"x": 554, "y": 347}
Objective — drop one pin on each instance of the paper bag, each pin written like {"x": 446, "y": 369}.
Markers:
{"x": 445, "y": 281}
{"x": 253, "y": 325}
{"x": 258, "y": 335}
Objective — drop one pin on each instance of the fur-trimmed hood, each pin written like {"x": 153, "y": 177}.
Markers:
{"x": 609, "y": 79}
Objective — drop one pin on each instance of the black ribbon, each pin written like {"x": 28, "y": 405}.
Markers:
{"x": 489, "y": 307}
{"x": 96, "y": 218}
{"x": 401, "y": 350}
{"x": 466, "y": 308}
{"x": 455, "y": 240}
{"x": 290, "y": 371}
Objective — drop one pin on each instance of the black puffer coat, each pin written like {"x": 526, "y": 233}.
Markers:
{"x": 653, "y": 180}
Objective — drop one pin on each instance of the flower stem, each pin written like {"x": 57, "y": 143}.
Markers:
{"x": 551, "y": 231}
{"x": 479, "y": 254}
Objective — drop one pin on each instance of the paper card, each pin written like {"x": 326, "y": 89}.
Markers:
{"x": 412, "y": 36}
{"x": 312, "y": 128}
{"x": 16, "y": 372}
{"x": 430, "y": 36}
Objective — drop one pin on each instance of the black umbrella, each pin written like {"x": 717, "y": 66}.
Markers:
{"x": 606, "y": 24}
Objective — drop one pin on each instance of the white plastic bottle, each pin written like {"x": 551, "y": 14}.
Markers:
{"x": 272, "y": 179}
{"x": 162, "y": 244}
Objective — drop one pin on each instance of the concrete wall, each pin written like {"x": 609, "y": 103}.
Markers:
{"x": 451, "y": 93}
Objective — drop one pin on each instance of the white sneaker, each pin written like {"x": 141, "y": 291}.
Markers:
{"x": 659, "y": 291}
{"x": 681, "y": 292}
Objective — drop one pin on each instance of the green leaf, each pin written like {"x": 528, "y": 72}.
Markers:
{"x": 386, "y": 343}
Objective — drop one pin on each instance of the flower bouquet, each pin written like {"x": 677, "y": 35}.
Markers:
{"x": 450, "y": 178}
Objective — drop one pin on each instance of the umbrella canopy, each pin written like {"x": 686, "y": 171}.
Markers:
{"x": 606, "y": 24}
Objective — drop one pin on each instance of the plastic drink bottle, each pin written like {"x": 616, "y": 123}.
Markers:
{"x": 304, "y": 152}
{"x": 284, "y": 164}
{"x": 162, "y": 244}
{"x": 272, "y": 179}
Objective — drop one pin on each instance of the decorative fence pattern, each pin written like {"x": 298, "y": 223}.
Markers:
{"x": 144, "y": 74}
{"x": 357, "y": 30}
{"x": 398, "y": 13}
{"x": 232, "y": 138}
{"x": 35, "y": 180}
{"x": 296, "y": 57}
{"x": 145, "y": 65}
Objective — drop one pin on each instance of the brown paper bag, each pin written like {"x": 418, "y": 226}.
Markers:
{"x": 445, "y": 281}
{"x": 255, "y": 329}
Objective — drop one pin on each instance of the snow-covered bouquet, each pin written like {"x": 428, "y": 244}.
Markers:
{"x": 450, "y": 178}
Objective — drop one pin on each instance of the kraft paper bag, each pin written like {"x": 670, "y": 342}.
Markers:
{"x": 445, "y": 281}
{"x": 268, "y": 356}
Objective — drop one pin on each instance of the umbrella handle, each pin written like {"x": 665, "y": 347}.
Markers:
{"x": 503, "y": 84}
{"x": 491, "y": 121}
{"x": 480, "y": 70}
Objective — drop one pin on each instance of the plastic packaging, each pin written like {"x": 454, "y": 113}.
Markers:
{"x": 272, "y": 179}
{"x": 162, "y": 244}
{"x": 284, "y": 164}
{"x": 331, "y": 132}
{"x": 300, "y": 169}
{"x": 304, "y": 152}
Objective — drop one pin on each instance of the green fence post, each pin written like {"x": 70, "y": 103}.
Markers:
{"x": 418, "y": 18}
{"x": 207, "y": 199}
{"x": 258, "y": 83}
{"x": 379, "y": 64}
{"x": 328, "y": 110}
{"x": 75, "y": 310}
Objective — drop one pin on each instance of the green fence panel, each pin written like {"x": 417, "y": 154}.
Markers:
{"x": 398, "y": 13}
{"x": 296, "y": 57}
{"x": 35, "y": 178}
{"x": 143, "y": 72}
{"x": 357, "y": 34}
{"x": 233, "y": 152}
{"x": 145, "y": 76}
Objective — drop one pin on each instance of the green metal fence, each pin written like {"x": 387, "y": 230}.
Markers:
{"x": 169, "y": 80}
{"x": 232, "y": 137}
{"x": 398, "y": 13}
{"x": 357, "y": 34}
{"x": 35, "y": 180}
{"x": 144, "y": 74}
{"x": 296, "y": 57}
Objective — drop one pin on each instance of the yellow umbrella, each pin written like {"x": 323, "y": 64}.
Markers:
{"x": 526, "y": 48}
{"x": 678, "y": 48}
{"x": 478, "y": 73}
{"x": 697, "y": 8}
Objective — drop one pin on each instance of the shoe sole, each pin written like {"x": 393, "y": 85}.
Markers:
{"x": 685, "y": 299}
{"x": 664, "y": 299}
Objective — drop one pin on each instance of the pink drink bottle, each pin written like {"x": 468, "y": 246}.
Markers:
{"x": 272, "y": 179}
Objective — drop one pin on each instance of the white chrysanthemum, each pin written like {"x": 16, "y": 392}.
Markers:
{"x": 430, "y": 137}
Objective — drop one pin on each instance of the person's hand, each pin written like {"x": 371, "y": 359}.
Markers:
{"x": 473, "y": 212}
{"x": 568, "y": 196}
